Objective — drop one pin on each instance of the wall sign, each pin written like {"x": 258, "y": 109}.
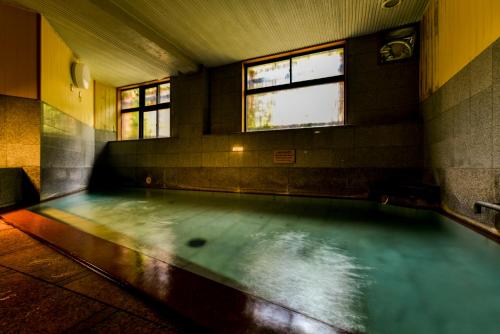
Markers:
{"x": 284, "y": 157}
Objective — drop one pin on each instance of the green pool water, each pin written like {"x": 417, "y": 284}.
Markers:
{"x": 358, "y": 265}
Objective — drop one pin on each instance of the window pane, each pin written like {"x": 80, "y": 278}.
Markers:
{"x": 320, "y": 105}
{"x": 130, "y": 125}
{"x": 164, "y": 123}
{"x": 272, "y": 74}
{"x": 130, "y": 98}
{"x": 165, "y": 92}
{"x": 318, "y": 65}
{"x": 149, "y": 130}
{"x": 150, "y": 96}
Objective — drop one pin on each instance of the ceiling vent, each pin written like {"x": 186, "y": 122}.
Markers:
{"x": 390, "y": 3}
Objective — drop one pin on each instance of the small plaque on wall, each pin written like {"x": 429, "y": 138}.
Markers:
{"x": 284, "y": 157}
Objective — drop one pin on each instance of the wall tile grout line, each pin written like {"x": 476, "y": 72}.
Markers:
{"x": 57, "y": 285}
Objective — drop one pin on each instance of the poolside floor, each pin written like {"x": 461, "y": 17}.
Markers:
{"x": 44, "y": 291}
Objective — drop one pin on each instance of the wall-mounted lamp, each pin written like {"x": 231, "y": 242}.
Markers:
{"x": 237, "y": 149}
{"x": 80, "y": 74}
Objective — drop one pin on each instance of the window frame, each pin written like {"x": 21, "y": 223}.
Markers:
{"x": 143, "y": 108}
{"x": 291, "y": 85}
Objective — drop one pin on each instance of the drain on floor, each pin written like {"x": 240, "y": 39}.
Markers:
{"x": 197, "y": 242}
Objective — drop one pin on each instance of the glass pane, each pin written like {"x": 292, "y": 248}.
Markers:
{"x": 150, "y": 96}
{"x": 318, "y": 65}
{"x": 321, "y": 105}
{"x": 149, "y": 130}
{"x": 164, "y": 123}
{"x": 165, "y": 92}
{"x": 130, "y": 98}
{"x": 266, "y": 75}
{"x": 130, "y": 125}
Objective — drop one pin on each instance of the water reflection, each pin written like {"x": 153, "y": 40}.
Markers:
{"x": 306, "y": 274}
{"x": 148, "y": 234}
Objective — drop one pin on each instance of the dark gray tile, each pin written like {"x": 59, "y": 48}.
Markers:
{"x": 101, "y": 289}
{"x": 481, "y": 110}
{"x": 170, "y": 177}
{"x": 342, "y": 158}
{"x": 264, "y": 179}
{"x": 427, "y": 108}
{"x": 496, "y": 62}
{"x": 388, "y": 157}
{"x": 343, "y": 137}
{"x": 481, "y": 71}
{"x": 42, "y": 262}
{"x": 363, "y": 44}
{"x": 154, "y": 175}
{"x": 441, "y": 154}
{"x": 11, "y": 180}
{"x": 123, "y": 147}
{"x": 461, "y": 187}
{"x": 316, "y": 181}
{"x": 225, "y": 178}
{"x": 496, "y": 101}
{"x": 125, "y": 175}
{"x": 461, "y": 119}
{"x": 440, "y": 128}
{"x": 122, "y": 322}
{"x": 456, "y": 90}
{"x": 31, "y": 306}
{"x": 196, "y": 177}
{"x": 481, "y": 148}
{"x": 461, "y": 150}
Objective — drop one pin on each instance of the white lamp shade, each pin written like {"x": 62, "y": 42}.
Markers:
{"x": 81, "y": 75}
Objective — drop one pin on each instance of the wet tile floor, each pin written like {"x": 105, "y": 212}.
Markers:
{"x": 42, "y": 291}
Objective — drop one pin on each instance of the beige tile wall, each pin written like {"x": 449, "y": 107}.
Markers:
{"x": 20, "y": 135}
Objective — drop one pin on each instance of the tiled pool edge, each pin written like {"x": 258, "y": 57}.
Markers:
{"x": 208, "y": 303}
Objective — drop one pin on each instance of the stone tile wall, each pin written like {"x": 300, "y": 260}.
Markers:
{"x": 20, "y": 136}
{"x": 11, "y": 180}
{"x": 462, "y": 135}
{"x": 67, "y": 153}
{"x": 381, "y": 144}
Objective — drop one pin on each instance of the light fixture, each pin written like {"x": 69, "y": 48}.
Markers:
{"x": 80, "y": 74}
{"x": 390, "y": 3}
{"x": 237, "y": 149}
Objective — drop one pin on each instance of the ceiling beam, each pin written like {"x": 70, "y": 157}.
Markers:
{"x": 184, "y": 62}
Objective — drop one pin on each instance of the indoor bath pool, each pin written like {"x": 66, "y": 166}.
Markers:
{"x": 355, "y": 265}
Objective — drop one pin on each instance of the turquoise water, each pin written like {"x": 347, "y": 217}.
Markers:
{"x": 357, "y": 265}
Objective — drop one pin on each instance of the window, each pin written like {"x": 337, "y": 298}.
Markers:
{"x": 295, "y": 91}
{"x": 145, "y": 111}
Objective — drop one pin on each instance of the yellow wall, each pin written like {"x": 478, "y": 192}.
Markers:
{"x": 105, "y": 107}
{"x": 18, "y": 55}
{"x": 453, "y": 33}
{"x": 56, "y": 60}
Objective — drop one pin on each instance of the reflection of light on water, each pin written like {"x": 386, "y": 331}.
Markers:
{"x": 307, "y": 275}
{"x": 279, "y": 319}
{"x": 136, "y": 224}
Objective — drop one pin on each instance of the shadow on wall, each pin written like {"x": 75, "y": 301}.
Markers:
{"x": 16, "y": 189}
{"x": 102, "y": 176}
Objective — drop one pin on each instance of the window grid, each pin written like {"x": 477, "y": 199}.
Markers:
{"x": 142, "y": 108}
{"x": 290, "y": 84}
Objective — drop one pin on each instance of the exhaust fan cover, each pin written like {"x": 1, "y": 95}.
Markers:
{"x": 81, "y": 75}
{"x": 398, "y": 44}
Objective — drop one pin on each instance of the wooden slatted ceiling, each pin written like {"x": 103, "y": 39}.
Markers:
{"x": 127, "y": 41}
